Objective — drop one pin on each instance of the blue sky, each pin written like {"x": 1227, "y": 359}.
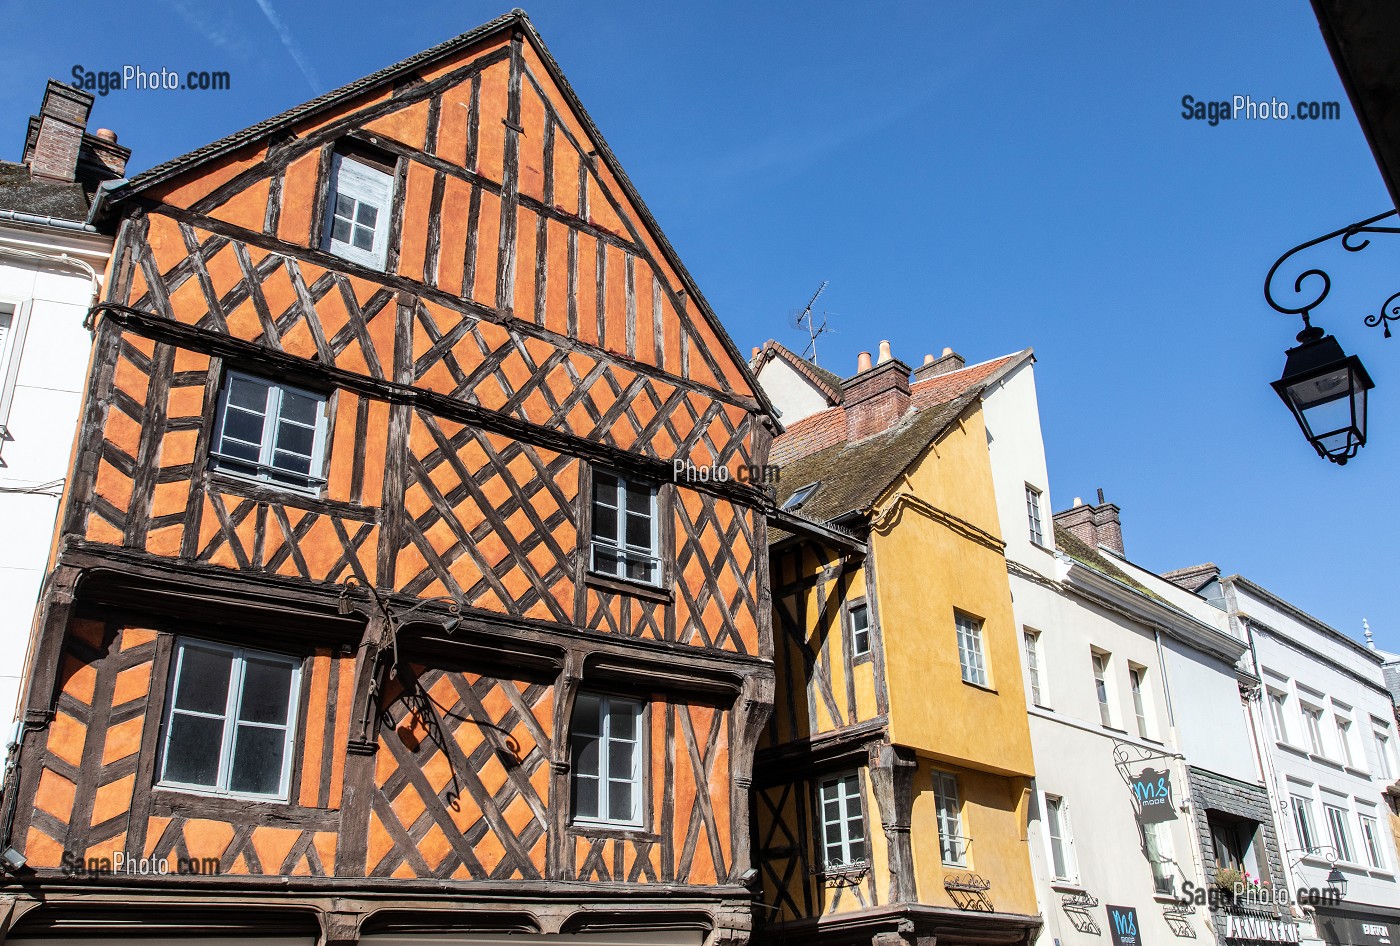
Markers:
{"x": 985, "y": 177}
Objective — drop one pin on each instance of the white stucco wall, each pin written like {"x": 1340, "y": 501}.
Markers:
{"x": 789, "y": 391}
{"x": 1012, "y": 416}
{"x": 43, "y": 418}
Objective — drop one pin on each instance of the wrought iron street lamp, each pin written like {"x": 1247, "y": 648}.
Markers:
{"x": 1338, "y": 882}
{"x": 1325, "y": 388}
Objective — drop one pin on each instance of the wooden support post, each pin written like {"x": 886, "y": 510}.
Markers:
{"x": 892, "y": 770}
{"x": 559, "y": 857}
{"x": 750, "y": 716}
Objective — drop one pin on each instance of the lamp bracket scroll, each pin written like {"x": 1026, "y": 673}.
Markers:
{"x": 1302, "y": 301}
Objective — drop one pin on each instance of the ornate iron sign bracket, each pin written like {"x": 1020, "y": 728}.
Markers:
{"x": 1302, "y": 302}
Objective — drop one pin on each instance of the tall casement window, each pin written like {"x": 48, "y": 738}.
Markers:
{"x": 1384, "y": 768}
{"x": 1337, "y": 831}
{"x": 1371, "y": 841}
{"x": 1233, "y": 840}
{"x": 1303, "y": 821}
{"x": 14, "y": 320}
{"x": 606, "y": 741}
{"x": 1057, "y": 825}
{"x": 1278, "y": 713}
{"x": 1157, "y": 842}
{"x": 1100, "y": 659}
{"x": 1344, "y": 740}
{"x": 230, "y": 721}
{"x": 1312, "y": 722}
{"x": 843, "y": 820}
{"x": 625, "y": 528}
{"x": 358, "y": 211}
{"x": 974, "y": 667}
{"x": 1031, "y": 640}
{"x": 1033, "y": 515}
{"x": 952, "y": 843}
{"x": 1137, "y": 681}
{"x": 858, "y": 621}
{"x": 271, "y": 432}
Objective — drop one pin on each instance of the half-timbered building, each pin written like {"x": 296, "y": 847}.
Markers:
{"x": 892, "y": 785}
{"x": 375, "y": 608}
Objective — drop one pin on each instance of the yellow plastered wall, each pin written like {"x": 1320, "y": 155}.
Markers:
{"x": 993, "y": 818}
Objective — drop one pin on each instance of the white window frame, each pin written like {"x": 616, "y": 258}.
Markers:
{"x": 1059, "y": 833}
{"x": 1137, "y": 683}
{"x": 971, "y": 658}
{"x": 1101, "y": 661}
{"x": 860, "y": 636}
{"x": 1033, "y": 516}
{"x": 953, "y": 844}
{"x": 1303, "y": 824}
{"x": 367, "y": 185}
{"x": 617, "y": 545}
{"x": 606, "y": 740}
{"x": 11, "y": 351}
{"x": 1384, "y": 763}
{"x": 239, "y": 658}
{"x": 1312, "y": 727}
{"x": 1030, "y": 642}
{"x": 1158, "y": 835}
{"x": 1344, "y": 751}
{"x": 1336, "y": 818}
{"x": 1278, "y": 709}
{"x": 266, "y": 472}
{"x": 1371, "y": 840}
{"x": 841, "y": 790}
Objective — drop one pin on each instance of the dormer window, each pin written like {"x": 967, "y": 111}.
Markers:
{"x": 358, "y": 210}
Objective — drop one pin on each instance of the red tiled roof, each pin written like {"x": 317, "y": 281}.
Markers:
{"x": 819, "y": 431}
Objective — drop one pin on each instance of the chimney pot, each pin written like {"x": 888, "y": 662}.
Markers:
{"x": 1078, "y": 501}
{"x": 928, "y": 359}
{"x": 949, "y": 361}
{"x": 947, "y": 352}
{"x": 863, "y": 362}
{"x": 885, "y": 352}
{"x": 106, "y": 134}
{"x": 755, "y": 348}
{"x": 876, "y": 398}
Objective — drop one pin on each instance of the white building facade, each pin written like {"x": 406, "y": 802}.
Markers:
{"x": 51, "y": 266}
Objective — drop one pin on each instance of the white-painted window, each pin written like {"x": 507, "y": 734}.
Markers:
{"x": 1100, "y": 660}
{"x": 271, "y": 432}
{"x": 606, "y": 742}
{"x": 1137, "y": 679}
{"x": 1344, "y": 740}
{"x": 1278, "y": 713}
{"x": 1033, "y": 515}
{"x": 1057, "y": 825}
{"x": 1303, "y": 821}
{"x": 858, "y": 618}
{"x": 1032, "y": 644}
{"x": 625, "y": 528}
{"x": 1312, "y": 723}
{"x": 14, "y": 323}
{"x": 843, "y": 820}
{"x": 974, "y": 666}
{"x": 1384, "y": 768}
{"x": 1337, "y": 831}
{"x": 230, "y": 722}
{"x": 952, "y": 843}
{"x": 1157, "y": 841}
{"x": 1371, "y": 841}
{"x": 358, "y": 209}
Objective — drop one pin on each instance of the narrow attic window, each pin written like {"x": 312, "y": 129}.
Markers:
{"x": 800, "y": 496}
{"x": 358, "y": 210}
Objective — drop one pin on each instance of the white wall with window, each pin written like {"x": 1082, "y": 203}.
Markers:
{"x": 43, "y": 363}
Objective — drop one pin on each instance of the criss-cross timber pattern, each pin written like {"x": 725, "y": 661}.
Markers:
{"x": 281, "y": 539}
{"x": 291, "y": 305}
{"x": 490, "y": 521}
{"x": 716, "y": 573}
{"x": 220, "y": 847}
{"x": 83, "y": 800}
{"x": 782, "y": 851}
{"x": 462, "y": 778}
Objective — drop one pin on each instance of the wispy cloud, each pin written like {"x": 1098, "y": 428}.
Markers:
{"x": 215, "y": 28}
{"x": 290, "y": 44}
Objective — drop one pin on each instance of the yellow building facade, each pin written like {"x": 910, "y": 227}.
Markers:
{"x": 892, "y": 785}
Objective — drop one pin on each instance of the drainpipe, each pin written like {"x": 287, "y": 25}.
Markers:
{"x": 38, "y": 220}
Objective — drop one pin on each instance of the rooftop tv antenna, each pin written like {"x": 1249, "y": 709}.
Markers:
{"x": 807, "y": 321}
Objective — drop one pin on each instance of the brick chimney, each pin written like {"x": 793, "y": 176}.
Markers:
{"x": 932, "y": 367}
{"x": 877, "y": 396}
{"x": 1093, "y": 525}
{"x": 1195, "y": 577}
{"x": 57, "y": 146}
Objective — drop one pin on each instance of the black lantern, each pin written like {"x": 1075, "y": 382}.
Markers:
{"x": 1325, "y": 388}
{"x": 1337, "y": 881}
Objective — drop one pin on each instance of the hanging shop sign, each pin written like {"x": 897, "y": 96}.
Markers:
{"x": 1153, "y": 790}
{"x": 1123, "y": 924}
